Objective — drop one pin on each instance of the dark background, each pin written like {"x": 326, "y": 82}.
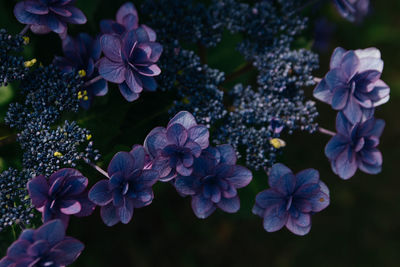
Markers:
{"x": 361, "y": 227}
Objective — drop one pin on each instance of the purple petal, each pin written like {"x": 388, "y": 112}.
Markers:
{"x": 127, "y": 93}
{"x": 35, "y": 7}
{"x": 70, "y": 207}
{"x": 71, "y": 249}
{"x": 61, "y": 11}
{"x": 346, "y": 164}
{"x": 300, "y": 225}
{"x": 109, "y": 215}
{"x": 126, "y": 211}
{"x": 227, "y": 154}
{"x": 126, "y": 9}
{"x": 121, "y": 162}
{"x": 352, "y": 110}
{"x": 152, "y": 34}
{"x": 186, "y": 185}
{"x": 200, "y": 135}
{"x": 40, "y": 29}
{"x": 133, "y": 81}
{"x": 230, "y": 205}
{"x": 111, "y": 71}
{"x": 337, "y": 57}
{"x": 275, "y": 217}
{"x": 52, "y": 231}
{"x": 177, "y": 134}
{"x": 335, "y": 146}
{"x": 149, "y": 83}
{"x": 349, "y": 64}
{"x": 202, "y": 206}
{"x": 240, "y": 177}
{"x": 152, "y": 70}
{"x": 18, "y": 249}
{"x": 184, "y": 118}
{"x": 100, "y": 194}
{"x": 269, "y": 197}
{"x": 77, "y": 16}
{"x": 307, "y": 176}
{"x": 276, "y": 173}
{"x": 38, "y": 190}
{"x": 139, "y": 154}
{"x": 323, "y": 93}
{"x": 130, "y": 22}
{"x": 111, "y": 46}
{"x": 182, "y": 170}
{"x": 340, "y": 98}
{"x": 23, "y": 16}
{"x": 194, "y": 147}
{"x": 155, "y": 140}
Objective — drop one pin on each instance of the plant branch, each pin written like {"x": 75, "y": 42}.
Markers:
{"x": 325, "y": 131}
{"x": 240, "y": 71}
{"x": 25, "y": 29}
{"x": 97, "y": 168}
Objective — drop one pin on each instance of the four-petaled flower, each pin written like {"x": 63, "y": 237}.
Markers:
{"x": 355, "y": 146}
{"x": 129, "y": 187}
{"x": 173, "y": 149}
{"x": 352, "y": 10}
{"x": 127, "y": 19}
{"x": 291, "y": 199}
{"x": 353, "y": 83}
{"x": 214, "y": 181}
{"x": 62, "y": 195}
{"x": 131, "y": 61}
{"x": 80, "y": 55}
{"x": 45, "y": 16}
{"x": 45, "y": 246}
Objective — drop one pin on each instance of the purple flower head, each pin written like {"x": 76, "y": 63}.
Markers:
{"x": 352, "y": 10}
{"x": 45, "y": 16}
{"x": 130, "y": 61}
{"x": 62, "y": 195}
{"x": 127, "y": 19}
{"x": 291, "y": 199}
{"x": 173, "y": 149}
{"x": 45, "y": 246}
{"x": 353, "y": 84}
{"x": 80, "y": 55}
{"x": 355, "y": 146}
{"x": 214, "y": 181}
{"x": 129, "y": 187}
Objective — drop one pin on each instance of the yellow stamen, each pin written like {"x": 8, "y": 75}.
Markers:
{"x": 88, "y": 137}
{"x": 277, "y": 143}
{"x": 26, "y": 40}
{"x": 58, "y": 154}
{"x": 30, "y": 63}
{"x": 86, "y": 98}
{"x": 321, "y": 199}
{"x": 82, "y": 73}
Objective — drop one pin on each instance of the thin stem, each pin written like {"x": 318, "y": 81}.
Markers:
{"x": 242, "y": 70}
{"x": 25, "y": 29}
{"x": 97, "y": 168}
{"x": 325, "y": 131}
{"x": 92, "y": 81}
{"x": 317, "y": 80}
{"x": 9, "y": 139}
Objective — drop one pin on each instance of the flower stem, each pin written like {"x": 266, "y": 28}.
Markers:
{"x": 92, "y": 81}
{"x": 97, "y": 168}
{"x": 25, "y": 29}
{"x": 317, "y": 80}
{"x": 241, "y": 70}
{"x": 325, "y": 131}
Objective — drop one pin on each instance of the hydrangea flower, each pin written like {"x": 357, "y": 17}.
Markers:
{"x": 352, "y": 10}
{"x": 45, "y": 16}
{"x": 45, "y": 246}
{"x": 131, "y": 61}
{"x": 129, "y": 187}
{"x": 291, "y": 199}
{"x": 173, "y": 149}
{"x": 355, "y": 146}
{"x": 214, "y": 181}
{"x": 62, "y": 195}
{"x": 127, "y": 19}
{"x": 80, "y": 55}
{"x": 353, "y": 84}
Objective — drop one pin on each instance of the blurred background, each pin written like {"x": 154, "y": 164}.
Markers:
{"x": 361, "y": 227}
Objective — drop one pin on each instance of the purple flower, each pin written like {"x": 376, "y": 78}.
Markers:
{"x": 81, "y": 54}
{"x": 353, "y": 83}
{"x": 126, "y": 20}
{"x": 131, "y": 61}
{"x": 62, "y": 195}
{"x": 355, "y": 146}
{"x": 173, "y": 149}
{"x": 45, "y": 16}
{"x": 129, "y": 187}
{"x": 291, "y": 199}
{"x": 352, "y": 10}
{"x": 214, "y": 181}
{"x": 45, "y": 246}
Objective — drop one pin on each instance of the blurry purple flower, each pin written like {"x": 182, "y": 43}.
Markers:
{"x": 129, "y": 187}
{"x": 355, "y": 146}
{"x": 131, "y": 61}
{"x": 214, "y": 181}
{"x": 173, "y": 149}
{"x": 353, "y": 83}
{"x": 45, "y": 246}
{"x": 291, "y": 199}
{"x": 352, "y": 10}
{"x": 126, "y": 20}
{"x": 80, "y": 55}
{"x": 62, "y": 195}
{"x": 45, "y": 16}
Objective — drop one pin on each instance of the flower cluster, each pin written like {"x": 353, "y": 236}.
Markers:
{"x": 61, "y": 195}
{"x": 15, "y": 206}
{"x": 45, "y": 246}
{"x": 47, "y": 16}
{"x": 291, "y": 199}
{"x": 354, "y": 88}
{"x": 130, "y": 54}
